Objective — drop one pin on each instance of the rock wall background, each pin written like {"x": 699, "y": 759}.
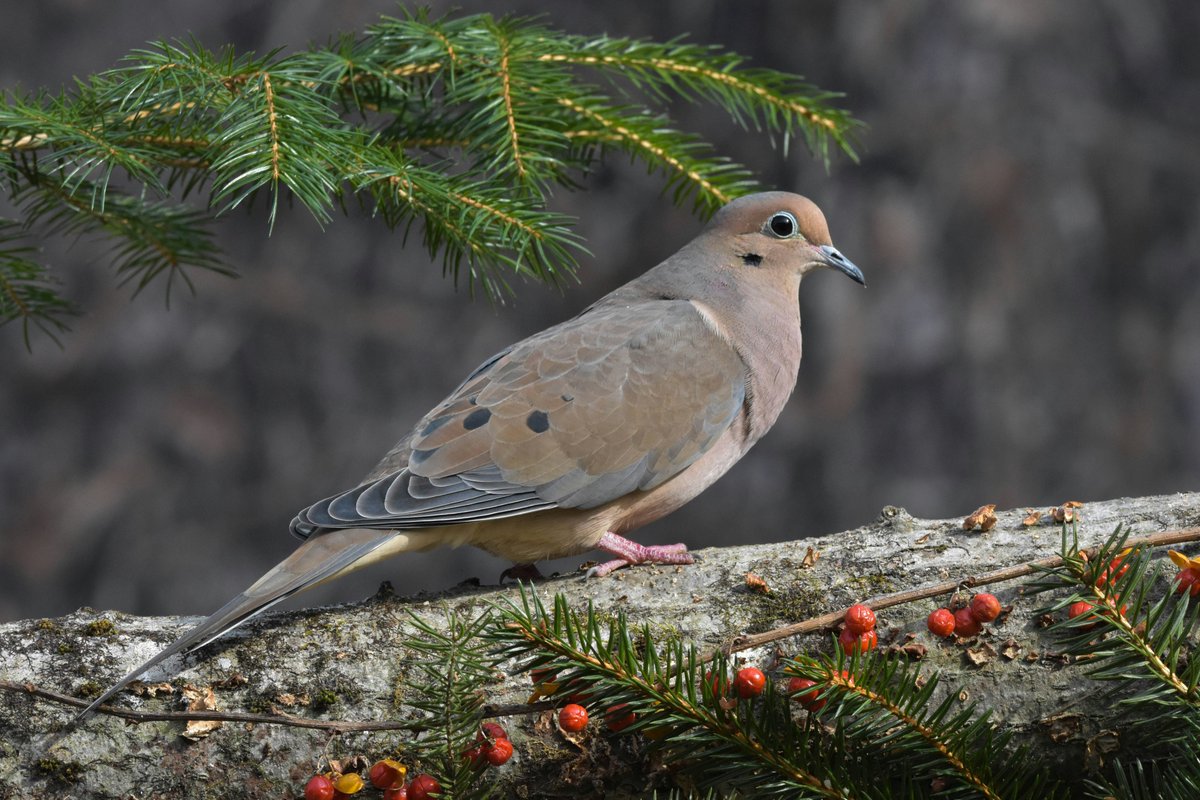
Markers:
{"x": 1027, "y": 212}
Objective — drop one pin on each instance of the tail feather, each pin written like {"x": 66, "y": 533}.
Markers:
{"x": 321, "y": 557}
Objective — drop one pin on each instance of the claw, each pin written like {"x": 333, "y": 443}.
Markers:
{"x": 629, "y": 553}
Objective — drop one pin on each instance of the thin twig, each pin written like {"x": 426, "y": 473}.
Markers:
{"x": 333, "y": 725}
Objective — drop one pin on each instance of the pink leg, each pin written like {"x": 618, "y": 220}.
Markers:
{"x": 628, "y": 553}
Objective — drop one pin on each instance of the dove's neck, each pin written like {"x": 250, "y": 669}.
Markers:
{"x": 766, "y": 334}
{"x": 756, "y": 314}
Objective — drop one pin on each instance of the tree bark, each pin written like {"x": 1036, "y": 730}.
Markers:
{"x": 351, "y": 663}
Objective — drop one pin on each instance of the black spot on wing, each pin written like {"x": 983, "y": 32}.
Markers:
{"x": 419, "y": 456}
{"x": 477, "y": 418}
{"x": 538, "y": 421}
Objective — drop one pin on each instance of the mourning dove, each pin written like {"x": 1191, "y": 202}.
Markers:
{"x": 572, "y": 438}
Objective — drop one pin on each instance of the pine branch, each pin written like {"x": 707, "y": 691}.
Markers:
{"x": 762, "y": 99}
{"x": 1148, "y": 630}
{"x": 448, "y": 688}
{"x": 460, "y": 125}
{"x": 885, "y": 709}
{"x": 27, "y": 291}
{"x": 1134, "y": 633}
{"x": 670, "y": 700}
{"x": 1179, "y": 779}
{"x": 882, "y": 711}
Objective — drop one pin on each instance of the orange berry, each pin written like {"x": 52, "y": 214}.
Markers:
{"x": 396, "y": 793}
{"x": 347, "y": 785}
{"x": 386, "y": 773}
{"x": 985, "y": 607}
{"x": 1115, "y": 569}
{"x": 491, "y": 731}
{"x": 1188, "y": 580}
{"x": 714, "y": 681}
{"x": 852, "y": 642}
{"x": 498, "y": 752}
{"x": 859, "y": 618}
{"x": 619, "y": 717}
{"x": 423, "y": 787}
{"x": 749, "y": 682}
{"x": 941, "y": 622}
{"x": 1080, "y": 608}
{"x": 474, "y": 756}
{"x": 573, "y": 718}
{"x": 802, "y": 691}
{"x": 319, "y": 787}
{"x": 542, "y": 675}
{"x": 965, "y": 623}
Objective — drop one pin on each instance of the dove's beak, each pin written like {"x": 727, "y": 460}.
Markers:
{"x": 835, "y": 259}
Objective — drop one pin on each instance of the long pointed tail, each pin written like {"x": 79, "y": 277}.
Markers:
{"x": 321, "y": 557}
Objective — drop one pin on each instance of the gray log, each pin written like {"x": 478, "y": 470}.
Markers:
{"x": 350, "y": 662}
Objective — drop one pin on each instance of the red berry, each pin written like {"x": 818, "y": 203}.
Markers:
{"x": 749, "y": 682}
{"x": 542, "y": 675}
{"x": 474, "y": 756}
{"x": 423, "y": 787}
{"x": 714, "y": 681}
{"x": 941, "y": 622}
{"x": 965, "y": 624}
{"x": 802, "y": 691}
{"x": 498, "y": 752}
{"x": 619, "y": 717}
{"x": 1188, "y": 580}
{"x": 985, "y": 607}
{"x": 573, "y": 718}
{"x": 1078, "y": 609}
{"x": 491, "y": 731}
{"x": 396, "y": 793}
{"x": 1115, "y": 569}
{"x": 1113, "y": 605}
{"x": 859, "y": 618}
{"x": 852, "y": 642}
{"x": 318, "y": 787}
{"x": 386, "y": 774}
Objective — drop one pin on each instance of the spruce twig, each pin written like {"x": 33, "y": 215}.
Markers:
{"x": 460, "y": 126}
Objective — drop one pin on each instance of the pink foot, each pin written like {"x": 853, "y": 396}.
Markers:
{"x": 629, "y": 553}
{"x": 522, "y": 572}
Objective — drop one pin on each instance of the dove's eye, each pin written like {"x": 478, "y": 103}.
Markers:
{"x": 783, "y": 225}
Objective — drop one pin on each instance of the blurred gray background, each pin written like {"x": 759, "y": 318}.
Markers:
{"x": 1027, "y": 212}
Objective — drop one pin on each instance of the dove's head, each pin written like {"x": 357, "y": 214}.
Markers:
{"x": 780, "y": 231}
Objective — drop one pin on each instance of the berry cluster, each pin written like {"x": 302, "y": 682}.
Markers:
{"x": 333, "y": 786}
{"x": 858, "y": 632}
{"x": 967, "y": 620}
{"x": 387, "y": 775}
{"x": 492, "y": 748}
{"x": 1110, "y": 600}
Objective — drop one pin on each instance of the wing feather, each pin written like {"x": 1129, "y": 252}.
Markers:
{"x": 617, "y": 400}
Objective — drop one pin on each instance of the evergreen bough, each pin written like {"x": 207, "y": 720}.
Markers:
{"x": 458, "y": 125}
{"x": 887, "y": 729}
